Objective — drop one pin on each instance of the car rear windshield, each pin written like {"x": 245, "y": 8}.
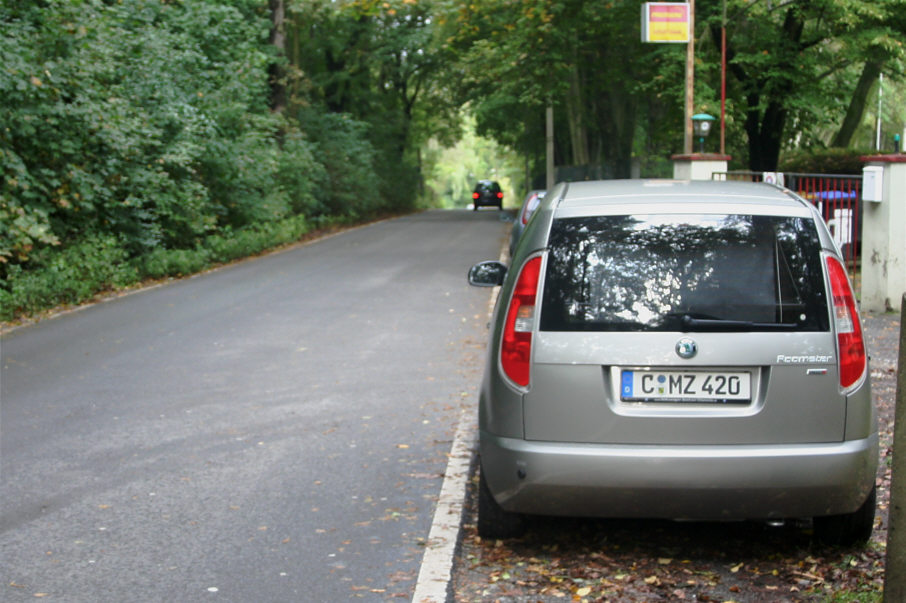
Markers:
{"x": 681, "y": 272}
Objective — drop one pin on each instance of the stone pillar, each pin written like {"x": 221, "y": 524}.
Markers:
{"x": 884, "y": 236}
{"x": 699, "y": 166}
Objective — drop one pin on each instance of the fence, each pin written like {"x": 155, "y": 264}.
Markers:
{"x": 838, "y": 198}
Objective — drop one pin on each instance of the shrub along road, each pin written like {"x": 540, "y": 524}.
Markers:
{"x": 275, "y": 430}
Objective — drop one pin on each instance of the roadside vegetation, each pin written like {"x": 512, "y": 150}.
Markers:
{"x": 142, "y": 139}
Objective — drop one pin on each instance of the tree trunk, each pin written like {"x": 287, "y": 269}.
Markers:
{"x": 575, "y": 115}
{"x": 276, "y": 70}
{"x": 765, "y": 134}
{"x": 870, "y": 72}
{"x": 764, "y": 128}
{"x": 618, "y": 132}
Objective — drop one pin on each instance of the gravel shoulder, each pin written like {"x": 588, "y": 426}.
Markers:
{"x": 632, "y": 560}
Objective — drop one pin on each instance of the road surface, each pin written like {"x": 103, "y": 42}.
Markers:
{"x": 275, "y": 430}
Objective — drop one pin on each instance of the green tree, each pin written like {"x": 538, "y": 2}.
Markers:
{"x": 793, "y": 70}
{"x": 376, "y": 62}
{"x": 793, "y": 65}
{"x": 880, "y": 47}
{"x": 143, "y": 119}
{"x": 585, "y": 59}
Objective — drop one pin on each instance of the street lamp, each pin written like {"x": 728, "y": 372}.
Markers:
{"x": 701, "y": 125}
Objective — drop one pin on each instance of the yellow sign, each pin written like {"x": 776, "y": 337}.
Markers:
{"x": 665, "y": 22}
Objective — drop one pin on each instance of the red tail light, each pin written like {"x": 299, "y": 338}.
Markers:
{"x": 500, "y": 195}
{"x": 474, "y": 195}
{"x": 529, "y": 208}
{"x": 850, "y": 346}
{"x": 516, "y": 347}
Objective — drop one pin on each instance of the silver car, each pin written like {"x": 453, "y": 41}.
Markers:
{"x": 684, "y": 350}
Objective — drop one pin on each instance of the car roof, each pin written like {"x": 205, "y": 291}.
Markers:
{"x": 709, "y": 196}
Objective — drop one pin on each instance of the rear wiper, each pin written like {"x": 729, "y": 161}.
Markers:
{"x": 691, "y": 323}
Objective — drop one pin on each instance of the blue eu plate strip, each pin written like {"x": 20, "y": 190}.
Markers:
{"x": 626, "y": 387}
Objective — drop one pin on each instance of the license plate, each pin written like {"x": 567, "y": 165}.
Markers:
{"x": 685, "y": 386}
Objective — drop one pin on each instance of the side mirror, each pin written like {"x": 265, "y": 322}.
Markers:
{"x": 487, "y": 274}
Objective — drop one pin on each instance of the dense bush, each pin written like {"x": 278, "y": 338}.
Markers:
{"x": 136, "y": 141}
{"x": 110, "y": 109}
{"x": 74, "y": 274}
{"x": 95, "y": 264}
{"x": 349, "y": 180}
{"x": 824, "y": 161}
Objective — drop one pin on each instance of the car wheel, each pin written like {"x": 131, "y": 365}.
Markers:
{"x": 849, "y": 528}
{"x": 475, "y": 206}
{"x": 493, "y": 521}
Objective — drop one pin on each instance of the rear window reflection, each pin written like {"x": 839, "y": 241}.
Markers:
{"x": 684, "y": 273}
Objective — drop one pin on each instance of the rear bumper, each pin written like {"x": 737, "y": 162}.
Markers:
{"x": 679, "y": 482}
{"x": 488, "y": 201}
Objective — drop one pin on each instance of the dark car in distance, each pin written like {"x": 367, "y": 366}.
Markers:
{"x": 487, "y": 192}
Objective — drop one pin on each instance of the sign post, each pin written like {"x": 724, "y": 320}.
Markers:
{"x": 674, "y": 22}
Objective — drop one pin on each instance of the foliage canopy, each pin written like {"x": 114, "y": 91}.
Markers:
{"x": 794, "y": 70}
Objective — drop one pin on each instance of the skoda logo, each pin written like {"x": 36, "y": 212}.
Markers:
{"x": 686, "y": 348}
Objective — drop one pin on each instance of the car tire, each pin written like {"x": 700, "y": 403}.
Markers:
{"x": 493, "y": 521}
{"x": 850, "y": 528}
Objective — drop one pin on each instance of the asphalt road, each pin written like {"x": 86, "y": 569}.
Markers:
{"x": 275, "y": 430}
